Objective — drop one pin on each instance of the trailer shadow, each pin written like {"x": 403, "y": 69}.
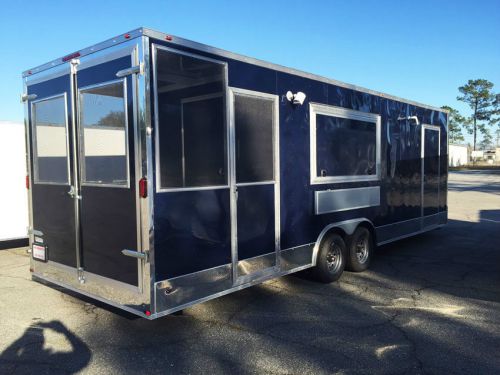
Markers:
{"x": 417, "y": 309}
{"x": 30, "y": 351}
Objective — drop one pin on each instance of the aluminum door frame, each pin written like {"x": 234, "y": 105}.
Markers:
{"x": 422, "y": 157}
{"x": 265, "y": 272}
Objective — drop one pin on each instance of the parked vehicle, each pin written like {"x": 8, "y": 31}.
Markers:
{"x": 164, "y": 172}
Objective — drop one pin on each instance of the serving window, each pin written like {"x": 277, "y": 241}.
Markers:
{"x": 345, "y": 145}
{"x": 191, "y": 132}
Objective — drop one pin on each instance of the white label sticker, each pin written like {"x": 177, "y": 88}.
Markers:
{"x": 39, "y": 239}
{"x": 39, "y": 252}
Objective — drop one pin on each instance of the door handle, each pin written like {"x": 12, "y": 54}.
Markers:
{"x": 73, "y": 194}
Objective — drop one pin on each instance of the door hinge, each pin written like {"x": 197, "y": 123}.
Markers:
{"x": 26, "y": 97}
{"x": 136, "y": 69}
{"x": 137, "y": 254}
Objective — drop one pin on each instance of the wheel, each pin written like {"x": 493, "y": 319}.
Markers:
{"x": 330, "y": 262}
{"x": 360, "y": 250}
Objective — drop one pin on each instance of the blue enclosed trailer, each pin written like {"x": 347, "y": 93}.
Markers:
{"x": 164, "y": 172}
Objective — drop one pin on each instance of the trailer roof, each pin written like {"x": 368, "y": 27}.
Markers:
{"x": 220, "y": 52}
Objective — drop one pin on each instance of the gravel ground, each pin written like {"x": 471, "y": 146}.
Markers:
{"x": 428, "y": 304}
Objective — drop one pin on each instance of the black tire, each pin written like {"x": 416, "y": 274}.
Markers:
{"x": 360, "y": 250}
{"x": 331, "y": 259}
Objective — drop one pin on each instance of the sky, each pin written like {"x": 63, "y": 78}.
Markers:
{"x": 419, "y": 50}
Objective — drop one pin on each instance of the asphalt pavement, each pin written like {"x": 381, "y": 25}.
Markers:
{"x": 428, "y": 304}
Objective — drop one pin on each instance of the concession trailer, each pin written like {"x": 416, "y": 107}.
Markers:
{"x": 163, "y": 172}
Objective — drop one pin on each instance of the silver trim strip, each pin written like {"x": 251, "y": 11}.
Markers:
{"x": 410, "y": 234}
{"x": 328, "y": 201}
{"x": 230, "y": 290}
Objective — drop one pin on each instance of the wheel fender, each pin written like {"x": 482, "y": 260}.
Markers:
{"x": 347, "y": 226}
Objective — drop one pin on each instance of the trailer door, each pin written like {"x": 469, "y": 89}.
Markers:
{"x": 50, "y": 136}
{"x": 255, "y": 184}
{"x": 106, "y": 151}
{"x": 430, "y": 174}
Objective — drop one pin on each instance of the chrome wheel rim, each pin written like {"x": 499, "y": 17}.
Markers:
{"x": 334, "y": 258}
{"x": 362, "y": 249}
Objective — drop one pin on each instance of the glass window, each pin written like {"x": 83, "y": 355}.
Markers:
{"x": 50, "y": 141}
{"x": 344, "y": 144}
{"x": 191, "y": 128}
{"x": 103, "y": 128}
{"x": 254, "y": 119}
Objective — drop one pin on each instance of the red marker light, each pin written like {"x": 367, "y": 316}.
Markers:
{"x": 127, "y": 36}
{"x": 27, "y": 182}
{"x": 147, "y": 313}
{"x": 71, "y": 56}
{"x": 143, "y": 187}
{"x": 168, "y": 37}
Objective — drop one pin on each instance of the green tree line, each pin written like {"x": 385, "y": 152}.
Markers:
{"x": 478, "y": 94}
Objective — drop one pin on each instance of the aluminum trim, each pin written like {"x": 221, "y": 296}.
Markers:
{"x": 258, "y": 263}
{"x": 427, "y": 229}
{"x": 230, "y": 290}
{"x": 147, "y": 204}
{"x": 82, "y": 138}
{"x": 334, "y": 111}
{"x": 76, "y": 177}
{"x": 56, "y": 72}
{"x": 27, "y": 141}
{"x": 135, "y": 62}
{"x": 35, "y": 141}
{"x": 337, "y": 199}
{"x": 269, "y": 182}
{"x": 106, "y": 55}
{"x": 117, "y": 40}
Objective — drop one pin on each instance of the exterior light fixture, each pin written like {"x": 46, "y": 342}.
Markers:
{"x": 297, "y": 98}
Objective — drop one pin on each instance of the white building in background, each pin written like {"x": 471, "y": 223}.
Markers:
{"x": 458, "y": 155}
{"x": 13, "y": 194}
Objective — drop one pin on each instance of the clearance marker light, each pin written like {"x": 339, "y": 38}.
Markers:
{"x": 143, "y": 187}
{"x": 147, "y": 313}
{"x": 127, "y": 36}
{"x": 72, "y": 56}
{"x": 168, "y": 37}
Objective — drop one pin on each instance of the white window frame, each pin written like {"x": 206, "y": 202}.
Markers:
{"x": 333, "y": 111}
